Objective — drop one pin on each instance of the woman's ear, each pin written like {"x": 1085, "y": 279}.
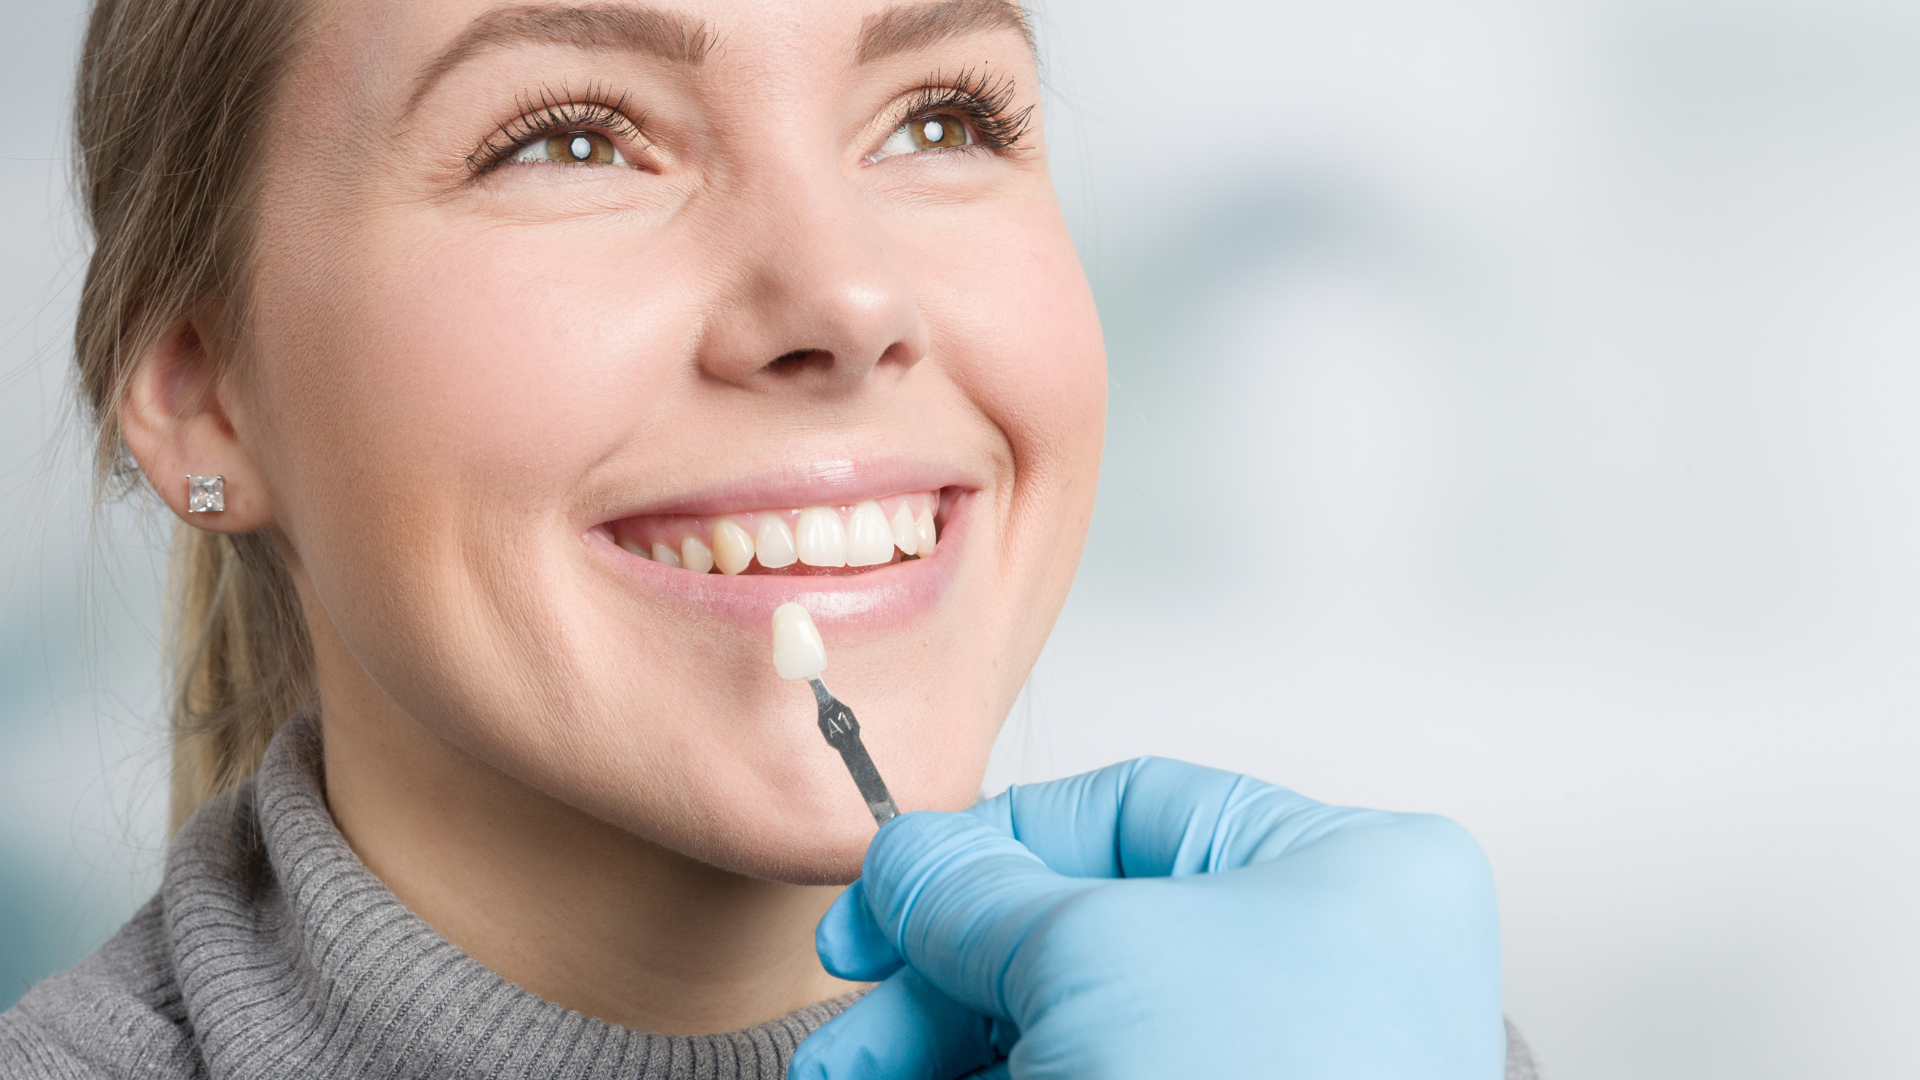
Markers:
{"x": 175, "y": 422}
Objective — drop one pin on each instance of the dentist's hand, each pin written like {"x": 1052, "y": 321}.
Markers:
{"x": 1157, "y": 919}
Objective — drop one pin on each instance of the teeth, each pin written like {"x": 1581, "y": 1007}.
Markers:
{"x": 923, "y": 532}
{"x": 869, "y": 540}
{"x": 821, "y": 538}
{"x": 860, "y": 535}
{"x": 773, "y": 544}
{"x": 904, "y": 536}
{"x": 732, "y": 547}
{"x": 696, "y": 556}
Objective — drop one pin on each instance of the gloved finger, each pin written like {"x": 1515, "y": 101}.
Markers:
{"x": 957, "y": 898}
{"x": 1155, "y": 817}
{"x": 851, "y": 945}
{"x": 999, "y": 1070}
{"x": 1077, "y": 825}
{"x": 903, "y": 1029}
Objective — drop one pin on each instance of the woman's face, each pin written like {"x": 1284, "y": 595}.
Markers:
{"x": 542, "y": 292}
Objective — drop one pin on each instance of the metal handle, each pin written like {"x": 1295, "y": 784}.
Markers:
{"x": 842, "y": 732}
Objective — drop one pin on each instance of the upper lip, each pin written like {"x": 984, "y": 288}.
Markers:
{"x": 814, "y": 483}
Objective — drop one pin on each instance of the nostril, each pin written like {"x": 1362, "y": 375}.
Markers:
{"x": 801, "y": 360}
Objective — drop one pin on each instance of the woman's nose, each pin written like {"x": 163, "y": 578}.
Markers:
{"x": 814, "y": 300}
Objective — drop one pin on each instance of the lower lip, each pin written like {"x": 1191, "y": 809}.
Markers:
{"x": 879, "y": 599}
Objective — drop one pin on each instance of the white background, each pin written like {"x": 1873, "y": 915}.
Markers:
{"x": 1513, "y": 416}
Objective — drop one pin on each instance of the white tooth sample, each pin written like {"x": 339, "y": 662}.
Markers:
{"x": 732, "y": 547}
{"x": 923, "y": 532}
{"x": 820, "y": 538}
{"x": 773, "y": 544}
{"x": 633, "y": 546}
{"x": 664, "y": 554}
{"x": 869, "y": 539}
{"x": 798, "y": 652}
{"x": 904, "y": 536}
{"x": 695, "y": 555}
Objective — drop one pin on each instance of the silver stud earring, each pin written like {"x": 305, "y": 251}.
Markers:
{"x": 206, "y": 494}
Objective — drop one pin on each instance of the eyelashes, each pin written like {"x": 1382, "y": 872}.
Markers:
{"x": 550, "y": 113}
{"x": 985, "y": 104}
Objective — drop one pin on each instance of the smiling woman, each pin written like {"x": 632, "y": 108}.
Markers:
{"x": 539, "y": 354}
{"x": 543, "y": 351}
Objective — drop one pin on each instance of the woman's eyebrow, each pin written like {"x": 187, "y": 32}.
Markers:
{"x": 633, "y": 28}
{"x": 906, "y": 27}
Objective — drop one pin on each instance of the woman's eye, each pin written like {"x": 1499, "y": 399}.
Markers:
{"x": 936, "y": 132}
{"x": 572, "y": 148}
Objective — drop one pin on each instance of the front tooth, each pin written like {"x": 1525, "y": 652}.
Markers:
{"x": 732, "y": 547}
{"x": 923, "y": 532}
{"x": 821, "y": 538}
{"x": 869, "y": 540}
{"x": 664, "y": 554}
{"x": 633, "y": 546}
{"x": 773, "y": 544}
{"x": 904, "y": 536}
{"x": 695, "y": 555}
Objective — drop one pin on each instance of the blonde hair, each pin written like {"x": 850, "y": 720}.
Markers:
{"x": 172, "y": 107}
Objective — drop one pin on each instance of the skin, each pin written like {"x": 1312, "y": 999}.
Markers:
{"x": 583, "y": 774}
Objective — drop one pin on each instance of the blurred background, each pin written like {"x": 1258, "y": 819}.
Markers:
{"x": 1513, "y": 416}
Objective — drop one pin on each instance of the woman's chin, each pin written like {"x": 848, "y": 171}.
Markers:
{"x": 793, "y": 852}
{"x": 812, "y": 831}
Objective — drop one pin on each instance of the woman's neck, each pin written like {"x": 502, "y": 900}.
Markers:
{"x": 565, "y": 905}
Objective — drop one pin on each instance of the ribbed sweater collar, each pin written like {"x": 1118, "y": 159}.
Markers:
{"x": 294, "y": 960}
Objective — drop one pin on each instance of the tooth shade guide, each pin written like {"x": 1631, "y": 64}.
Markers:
{"x": 798, "y": 652}
{"x": 873, "y": 532}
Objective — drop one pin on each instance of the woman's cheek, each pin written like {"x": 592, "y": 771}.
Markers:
{"x": 513, "y": 356}
{"x": 1030, "y": 350}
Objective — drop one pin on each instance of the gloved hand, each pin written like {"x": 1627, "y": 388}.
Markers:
{"x": 1156, "y": 919}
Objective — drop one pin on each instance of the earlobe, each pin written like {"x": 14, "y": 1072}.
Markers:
{"x": 175, "y": 422}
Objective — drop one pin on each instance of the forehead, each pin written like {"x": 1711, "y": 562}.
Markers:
{"x": 376, "y": 47}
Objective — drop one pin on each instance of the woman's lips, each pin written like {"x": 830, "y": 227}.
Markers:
{"x": 861, "y": 564}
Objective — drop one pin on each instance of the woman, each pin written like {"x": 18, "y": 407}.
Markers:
{"x": 506, "y": 365}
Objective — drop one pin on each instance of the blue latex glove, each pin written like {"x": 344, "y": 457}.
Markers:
{"x": 1157, "y": 919}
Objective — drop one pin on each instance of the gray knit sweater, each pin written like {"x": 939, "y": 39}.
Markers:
{"x": 271, "y": 952}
